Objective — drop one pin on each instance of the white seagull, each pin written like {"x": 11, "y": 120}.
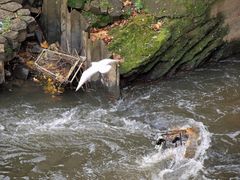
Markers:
{"x": 102, "y": 66}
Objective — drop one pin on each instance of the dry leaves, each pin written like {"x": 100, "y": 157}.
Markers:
{"x": 102, "y": 34}
{"x": 127, "y": 3}
{"x": 44, "y": 44}
{"x": 119, "y": 23}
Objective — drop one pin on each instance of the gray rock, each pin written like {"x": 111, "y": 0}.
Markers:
{"x": 2, "y": 48}
{"x": 95, "y": 7}
{"x": 4, "y": 1}
{"x": 23, "y": 12}
{"x": 16, "y": 83}
{"x": 18, "y": 1}
{"x": 31, "y": 23}
{"x": 116, "y": 8}
{"x": 7, "y": 73}
{"x": 21, "y": 27}
{"x": 6, "y": 14}
{"x": 21, "y": 72}
{"x": 36, "y": 49}
{"x": 12, "y": 37}
{"x": 2, "y": 40}
{"x": 11, "y": 6}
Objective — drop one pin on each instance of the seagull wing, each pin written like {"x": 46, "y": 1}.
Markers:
{"x": 86, "y": 75}
{"x": 102, "y": 66}
{"x": 107, "y": 61}
{"x": 104, "y": 69}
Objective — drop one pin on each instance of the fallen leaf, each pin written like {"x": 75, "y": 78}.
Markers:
{"x": 44, "y": 44}
{"x": 127, "y": 3}
{"x": 157, "y": 26}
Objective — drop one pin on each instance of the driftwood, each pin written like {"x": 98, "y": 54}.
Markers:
{"x": 60, "y": 66}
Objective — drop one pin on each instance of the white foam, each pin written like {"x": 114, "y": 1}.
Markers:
{"x": 177, "y": 165}
{"x": 2, "y": 128}
{"x": 233, "y": 135}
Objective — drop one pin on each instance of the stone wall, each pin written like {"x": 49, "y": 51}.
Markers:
{"x": 15, "y": 24}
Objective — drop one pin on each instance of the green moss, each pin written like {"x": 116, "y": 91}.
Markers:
{"x": 97, "y": 20}
{"x": 137, "y": 42}
{"x": 177, "y": 8}
{"x": 198, "y": 8}
{"x": 8, "y": 50}
{"x": 104, "y": 4}
{"x": 79, "y": 4}
{"x": 6, "y": 25}
{"x": 197, "y": 42}
{"x": 138, "y": 5}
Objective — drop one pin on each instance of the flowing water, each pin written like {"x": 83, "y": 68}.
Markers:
{"x": 89, "y": 136}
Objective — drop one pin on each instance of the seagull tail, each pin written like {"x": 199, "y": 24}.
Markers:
{"x": 79, "y": 85}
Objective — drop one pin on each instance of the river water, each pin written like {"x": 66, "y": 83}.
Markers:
{"x": 87, "y": 135}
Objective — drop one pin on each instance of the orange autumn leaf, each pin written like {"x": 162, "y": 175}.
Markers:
{"x": 101, "y": 34}
{"x": 157, "y": 26}
{"x": 127, "y": 3}
{"x": 44, "y": 44}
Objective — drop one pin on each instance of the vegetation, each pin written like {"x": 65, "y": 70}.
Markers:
{"x": 6, "y": 25}
{"x": 138, "y": 5}
{"x": 185, "y": 35}
{"x": 79, "y": 4}
{"x": 137, "y": 41}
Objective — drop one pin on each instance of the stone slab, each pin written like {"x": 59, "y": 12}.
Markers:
{"x": 5, "y": 14}
{"x": 23, "y": 12}
{"x": 3, "y": 40}
{"x": 31, "y": 23}
{"x": 4, "y": 1}
{"x": 2, "y": 48}
{"x": 11, "y": 6}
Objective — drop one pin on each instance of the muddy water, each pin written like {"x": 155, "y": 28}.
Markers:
{"x": 88, "y": 136}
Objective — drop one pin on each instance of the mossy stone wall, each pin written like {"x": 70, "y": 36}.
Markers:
{"x": 187, "y": 38}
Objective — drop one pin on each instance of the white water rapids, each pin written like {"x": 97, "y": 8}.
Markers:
{"x": 86, "y": 136}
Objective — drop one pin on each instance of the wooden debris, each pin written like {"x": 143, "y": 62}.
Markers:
{"x": 188, "y": 137}
{"x": 60, "y": 66}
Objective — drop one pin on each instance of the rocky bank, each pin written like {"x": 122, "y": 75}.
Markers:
{"x": 189, "y": 33}
{"x": 159, "y": 38}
